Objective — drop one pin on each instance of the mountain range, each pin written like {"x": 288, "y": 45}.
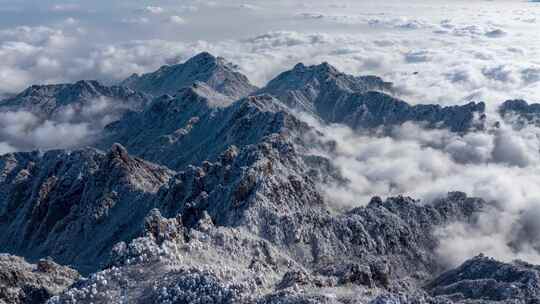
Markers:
{"x": 50, "y": 101}
{"x": 205, "y": 189}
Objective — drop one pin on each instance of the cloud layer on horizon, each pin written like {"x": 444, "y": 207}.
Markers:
{"x": 486, "y": 52}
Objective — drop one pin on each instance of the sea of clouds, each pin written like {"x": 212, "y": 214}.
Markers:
{"x": 444, "y": 52}
{"x": 434, "y": 51}
{"x": 68, "y": 126}
{"x": 500, "y": 164}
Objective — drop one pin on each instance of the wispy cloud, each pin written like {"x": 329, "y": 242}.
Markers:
{"x": 500, "y": 165}
{"x": 444, "y": 58}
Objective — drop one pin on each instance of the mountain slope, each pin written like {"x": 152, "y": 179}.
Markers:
{"x": 80, "y": 98}
{"x": 362, "y": 102}
{"x": 203, "y": 196}
{"x": 204, "y": 67}
{"x": 74, "y": 206}
{"x": 194, "y": 126}
{"x": 483, "y": 278}
{"x": 315, "y": 88}
{"x": 192, "y": 264}
{"x": 374, "y": 109}
{"x": 266, "y": 190}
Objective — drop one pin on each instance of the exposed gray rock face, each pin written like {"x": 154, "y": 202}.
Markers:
{"x": 172, "y": 264}
{"x": 324, "y": 77}
{"x": 220, "y": 75}
{"x": 60, "y": 202}
{"x": 362, "y": 102}
{"x": 316, "y": 88}
{"x": 24, "y": 283}
{"x": 270, "y": 191}
{"x": 416, "y": 297}
{"x": 74, "y": 206}
{"x": 194, "y": 126}
{"x": 259, "y": 195}
{"x": 77, "y": 99}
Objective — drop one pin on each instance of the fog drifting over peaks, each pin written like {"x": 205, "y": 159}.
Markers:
{"x": 71, "y": 126}
{"x": 435, "y": 51}
{"x": 500, "y": 165}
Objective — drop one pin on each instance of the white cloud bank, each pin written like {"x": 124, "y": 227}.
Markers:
{"x": 499, "y": 165}
{"x": 462, "y": 51}
{"x": 483, "y": 50}
{"x": 24, "y": 131}
{"x": 69, "y": 126}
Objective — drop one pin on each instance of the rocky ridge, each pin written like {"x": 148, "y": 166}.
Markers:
{"x": 217, "y": 73}
{"x": 74, "y": 206}
{"x": 271, "y": 270}
{"x": 192, "y": 127}
{"x": 363, "y": 102}
{"x": 208, "y": 196}
{"x": 75, "y": 99}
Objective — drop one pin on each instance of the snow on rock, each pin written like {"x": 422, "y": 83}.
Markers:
{"x": 74, "y": 101}
{"x": 483, "y": 278}
{"x": 204, "y": 67}
{"x": 193, "y": 127}
{"x": 21, "y": 282}
{"x": 209, "y": 196}
{"x": 362, "y": 102}
{"x": 202, "y": 262}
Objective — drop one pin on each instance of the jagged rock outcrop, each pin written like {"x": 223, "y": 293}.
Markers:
{"x": 74, "y": 206}
{"x": 75, "y": 101}
{"x": 485, "y": 279}
{"x": 362, "y": 102}
{"x": 317, "y": 88}
{"x": 193, "y": 126}
{"x": 478, "y": 280}
{"x": 269, "y": 190}
{"x": 209, "y": 196}
{"x": 220, "y": 75}
{"x": 250, "y": 269}
{"x": 174, "y": 264}
{"x": 24, "y": 283}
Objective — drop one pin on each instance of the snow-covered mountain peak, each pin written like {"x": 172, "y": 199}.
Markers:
{"x": 48, "y": 101}
{"x": 218, "y": 74}
{"x": 212, "y": 191}
{"x": 204, "y": 58}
